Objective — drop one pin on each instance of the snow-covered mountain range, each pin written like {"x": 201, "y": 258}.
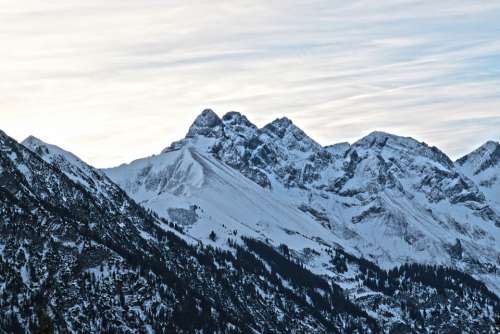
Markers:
{"x": 77, "y": 255}
{"x": 251, "y": 229}
{"x": 387, "y": 198}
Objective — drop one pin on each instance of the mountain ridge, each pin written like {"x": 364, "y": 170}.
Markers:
{"x": 315, "y": 213}
{"x": 415, "y": 194}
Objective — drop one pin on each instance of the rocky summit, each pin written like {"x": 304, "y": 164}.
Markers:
{"x": 241, "y": 229}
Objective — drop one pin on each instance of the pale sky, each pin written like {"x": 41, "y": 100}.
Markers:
{"x": 116, "y": 80}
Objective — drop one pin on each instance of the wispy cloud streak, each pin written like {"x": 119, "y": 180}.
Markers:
{"x": 118, "y": 79}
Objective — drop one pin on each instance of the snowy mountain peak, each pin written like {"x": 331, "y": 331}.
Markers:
{"x": 36, "y": 145}
{"x": 281, "y": 122}
{"x": 488, "y": 150}
{"x": 76, "y": 169}
{"x": 378, "y": 139}
{"x": 483, "y": 167}
{"x": 31, "y": 139}
{"x": 207, "y": 124}
{"x": 491, "y": 145}
{"x": 482, "y": 158}
{"x": 394, "y": 145}
{"x": 50, "y": 153}
{"x": 280, "y": 126}
{"x": 290, "y": 136}
{"x": 234, "y": 117}
{"x": 339, "y": 149}
{"x": 239, "y": 124}
{"x": 3, "y": 137}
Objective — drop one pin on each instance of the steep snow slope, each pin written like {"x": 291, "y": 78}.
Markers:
{"x": 388, "y": 198}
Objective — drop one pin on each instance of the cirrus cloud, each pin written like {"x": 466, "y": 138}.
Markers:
{"x": 116, "y": 80}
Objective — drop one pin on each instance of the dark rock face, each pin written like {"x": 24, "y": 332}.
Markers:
{"x": 370, "y": 212}
{"x": 237, "y": 121}
{"x": 207, "y": 124}
{"x": 456, "y": 250}
{"x": 183, "y": 216}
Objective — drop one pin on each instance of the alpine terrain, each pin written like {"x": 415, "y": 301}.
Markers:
{"x": 240, "y": 229}
{"x": 389, "y": 199}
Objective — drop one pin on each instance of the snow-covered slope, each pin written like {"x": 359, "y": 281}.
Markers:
{"x": 390, "y": 199}
{"x": 191, "y": 187}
